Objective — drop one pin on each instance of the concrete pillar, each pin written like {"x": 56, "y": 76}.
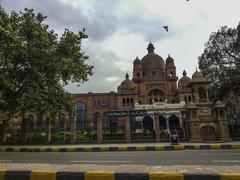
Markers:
{"x": 128, "y": 129}
{"x": 157, "y": 129}
{"x": 99, "y": 130}
{"x": 224, "y": 132}
{"x": 167, "y": 121}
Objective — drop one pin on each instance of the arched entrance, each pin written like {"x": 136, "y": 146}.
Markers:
{"x": 162, "y": 123}
{"x": 208, "y": 133}
{"x": 174, "y": 123}
{"x": 148, "y": 131}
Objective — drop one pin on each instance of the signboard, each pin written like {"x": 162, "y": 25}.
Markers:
{"x": 122, "y": 113}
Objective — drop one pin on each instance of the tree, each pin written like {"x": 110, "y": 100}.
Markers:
{"x": 220, "y": 61}
{"x": 36, "y": 64}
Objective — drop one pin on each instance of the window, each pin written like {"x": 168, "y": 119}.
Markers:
{"x": 221, "y": 113}
{"x": 103, "y": 102}
{"x": 171, "y": 74}
{"x": 81, "y": 115}
{"x": 99, "y": 103}
{"x": 189, "y": 98}
{"x": 154, "y": 74}
{"x": 94, "y": 103}
{"x": 202, "y": 93}
{"x": 194, "y": 114}
{"x": 138, "y": 74}
{"x": 128, "y": 101}
{"x": 123, "y": 101}
{"x": 131, "y": 101}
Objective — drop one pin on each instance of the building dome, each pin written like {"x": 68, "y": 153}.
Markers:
{"x": 137, "y": 61}
{"x": 183, "y": 82}
{"x": 127, "y": 86}
{"x": 152, "y": 60}
{"x": 169, "y": 60}
{"x": 197, "y": 75}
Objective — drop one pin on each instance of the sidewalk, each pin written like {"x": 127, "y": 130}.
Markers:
{"x": 119, "y": 147}
{"x": 120, "y": 172}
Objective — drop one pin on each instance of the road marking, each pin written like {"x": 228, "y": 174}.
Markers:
{"x": 226, "y": 161}
{"x": 87, "y": 161}
{"x": 220, "y": 154}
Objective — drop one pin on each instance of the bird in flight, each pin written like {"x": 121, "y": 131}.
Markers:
{"x": 166, "y": 28}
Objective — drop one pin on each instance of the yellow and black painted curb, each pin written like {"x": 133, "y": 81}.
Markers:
{"x": 105, "y": 175}
{"x": 120, "y": 148}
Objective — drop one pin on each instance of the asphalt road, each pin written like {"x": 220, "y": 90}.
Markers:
{"x": 152, "y": 158}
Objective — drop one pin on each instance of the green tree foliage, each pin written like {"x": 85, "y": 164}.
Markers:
{"x": 36, "y": 64}
{"x": 220, "y": 61}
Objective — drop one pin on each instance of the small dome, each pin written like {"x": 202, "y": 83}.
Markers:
{"x": 197, "y": 75}
{"x": 127, "y": 86}
{"x": 150, "y": 48}
{"x": 169, "y": 60}
{"x": 137, "y": 61}
{"x": 183, "y": 82}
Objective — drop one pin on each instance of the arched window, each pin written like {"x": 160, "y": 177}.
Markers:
{"x": 156, "y": 94}
{"x": 222, "y": 113}
{"x": 202, "y": 94}
{"x": 131, "y": 100}
{"x": 189, "y": 98}
{"x": 138, "y": 74}
{"x": 194, "y": 114}
{"x": 128, "y": 101}
{"x": 81, "y": 115}
{"x": 123, "y": 101}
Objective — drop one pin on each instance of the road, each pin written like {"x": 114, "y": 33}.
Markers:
{"x": 150, "y": 158}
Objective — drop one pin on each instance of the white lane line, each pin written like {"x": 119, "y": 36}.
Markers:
{"x": 220, "y": 154}
{"x": 87, "y": 161}
{"x": 226, "y": 161}
{"x": 4, "y": 161}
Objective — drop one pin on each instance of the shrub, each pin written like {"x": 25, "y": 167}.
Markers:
{"x": 36, "y": 138}
{"x": 15, "y": 138}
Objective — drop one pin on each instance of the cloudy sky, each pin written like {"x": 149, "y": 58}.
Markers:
{"x": 120, "y": 30}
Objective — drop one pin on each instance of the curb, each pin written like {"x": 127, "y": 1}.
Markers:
{"x": 105, "y": 175}
{"x": 122, "y": 148}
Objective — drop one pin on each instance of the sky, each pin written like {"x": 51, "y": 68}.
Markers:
{"x": 120, "y": 30}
